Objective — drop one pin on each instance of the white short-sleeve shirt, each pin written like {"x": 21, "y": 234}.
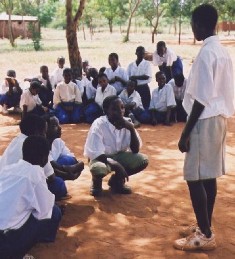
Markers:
{"x": 178, "y": 91}
{"x": 90, "y": 91}
{"x": 30, "y": 100}
{"x": 58, "y": 148}
{"x": 133, "y": 98}
{"x": 210, "y": 81}
{"x": 13, "y": 153}
{"x": 162, "y": 98}
{"x": 57, "y": 75}
{"x": 104, "y": 138}
{"x": 23, "y": 191}
{"x": 120, "y": 72}
{"x": 100, "y": 96}
{"x": 67, "y": 93}
{"x": 144, "y": 68}
{"x": 169, "y": 57}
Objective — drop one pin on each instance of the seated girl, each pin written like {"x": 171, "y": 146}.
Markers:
{"x": 10, "y": 93}
{"x": 67, "y": 100}
{"x": 62, "y": 160}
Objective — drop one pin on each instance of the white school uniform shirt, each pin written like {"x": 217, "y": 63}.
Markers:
{"x": 169, "y": 57}
{"x": 162, "y": 98}
{"x": 13, "y": 153}
{"x": 144, "y": 68}
{"x": 210, "y": 81}
{"x": 90, "y": 91}
{"x": 23, "y": 191}
{"x": 100, "y": 96}
{"x": 133, "y": 98}
{"x": 44, "y": 81}
{"x": 67, "y": 93}
{"x": 120, "y": 72}
{"x": 5, "y": 87}
{"x": 57, "y": 75}
{"x": 178, "y": 91}
{"x": 30, "y": 100}
{"x": 81, "y": 84}
{"x": 104, "y": 138}
{"x": 59, "y": 148}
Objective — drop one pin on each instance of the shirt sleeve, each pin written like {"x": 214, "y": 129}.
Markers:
{"x": 24, "y": 99}
{"x": 156, "y": 61}
{"x": 151, "y": 105}
{"x": 171, "y": 57}
{"x": 56, "y": 96}
{"x": 170, "y": 98}
{"x": 78, "y": 96}
{"x": 48, "y": 169}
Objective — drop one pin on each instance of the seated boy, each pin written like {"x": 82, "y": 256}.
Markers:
{"x": 113, "y": 144}
{"x": 63, "y": 161}
{"x": 30, "y": 101}
{"x": 28, "y": 214}
{"x": 178, "y": 84}
{"x": 33, "y": 125}
{"x": 67, "y": 100}
{"x": 10, "y": 93}
{"x": 162, "y": 101}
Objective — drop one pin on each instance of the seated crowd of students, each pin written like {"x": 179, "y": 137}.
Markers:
{"x": 115, "y": 101}
{"x": 74, "y": 99}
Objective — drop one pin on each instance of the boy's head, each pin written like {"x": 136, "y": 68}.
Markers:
{"x": 34, "y": 87}
{"x": 103, "y": 80}
{"x": 85, "y": 66}
{"x": 32, "y": 124}
{"x": 53, "y": 128}
{"x": 204, "y": 20}
{"x": 101, "y": 70}
{"x": 161, "y": 48}
{"x": 11, "y": 73}
{"x": 67, "y": 74}
{"x": 44, "y": 71}
{"x": 160, "y": 79}
{"x": 131, "y": 85}
{"x": 179, "y": 80}
{"x": 92, "y": 72}
{"x": 140, "y": 52}
{"x": 61, "y": 62}
{"x": 113, "y": 107}
{"x": 36, "y": 150}
{"x": 113, "y": 60}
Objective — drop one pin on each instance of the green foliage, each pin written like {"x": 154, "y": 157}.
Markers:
{"x": 36, "y": 37}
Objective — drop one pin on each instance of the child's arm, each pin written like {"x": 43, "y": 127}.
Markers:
{"x": 197, "y": 110}
{"x": 25, "y": 110}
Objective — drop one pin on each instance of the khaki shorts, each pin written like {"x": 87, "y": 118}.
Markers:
{"x": 205, "y": 159}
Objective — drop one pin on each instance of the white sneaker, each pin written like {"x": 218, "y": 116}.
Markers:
{"x": 4, "y": 109}
{"x": 17, "y": 109}
{"x": 196, "y": 241}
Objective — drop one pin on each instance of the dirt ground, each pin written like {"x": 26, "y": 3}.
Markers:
{"x": 144, "y": 224}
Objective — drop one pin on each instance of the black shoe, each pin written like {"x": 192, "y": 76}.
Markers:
{"x": 96, "y": 187}
{"x": 117, "y": 185}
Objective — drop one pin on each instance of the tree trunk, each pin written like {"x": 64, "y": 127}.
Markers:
{"x": 71, "y": 35}
{"x": 10, "y": 32}
{"x": 128, "y": 29}
{"x": 110, "y": 25}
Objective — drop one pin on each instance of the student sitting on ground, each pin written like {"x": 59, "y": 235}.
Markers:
{"x": 10, "y": 93}
{"x": 30, "y": 101}
{"x": 167, "y": 61}
{"x": 45, "y": 94}
{"x": 28, "y": 214}
{"x": 33, "y": 125}
{"x": 132, "y": 102}
{"x": 104, "y": 89}
{"x": 57, "y": 74}
{"x": 162, "y": 102}
{"x": 67, "y": 100}
{"x": 117, "y": 75}
{"x": 92, "y": 110}
{"x": 62, "y": 160}
{"x": 113, "y": 144}
{"x": 178, "y": 84}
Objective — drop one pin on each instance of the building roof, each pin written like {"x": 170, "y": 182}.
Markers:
{"x": 5, "y": 17}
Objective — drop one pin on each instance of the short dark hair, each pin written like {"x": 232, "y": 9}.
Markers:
{"x": 35, "y": 84}
{"x": 108, "y": 101}
{"x": 115, "y": 55}
{"x": 32, "y": 124}
{"x": 60, "y": 59}
{"x": 140, "y": 48}
{"x": 34, "y": 149}
{"x": 67, "y": 71}
{"x": 102, "y": 75}
{"x": 206, "y": 16}
{"x": 159, "y": 73}
{"x": 11, "y": 73}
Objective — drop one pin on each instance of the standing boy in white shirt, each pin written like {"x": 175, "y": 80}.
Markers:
{"x": 57, "y": 74}
{"x": 208, "y": 101}
{"x": 140, "y": 70}
{"x": 117, "y": 75}
{"x": 28, "y": 214}
{"x": 162, "y": 101}
{"x": 68, "y": 100}
{"x": 113, "y": 144}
